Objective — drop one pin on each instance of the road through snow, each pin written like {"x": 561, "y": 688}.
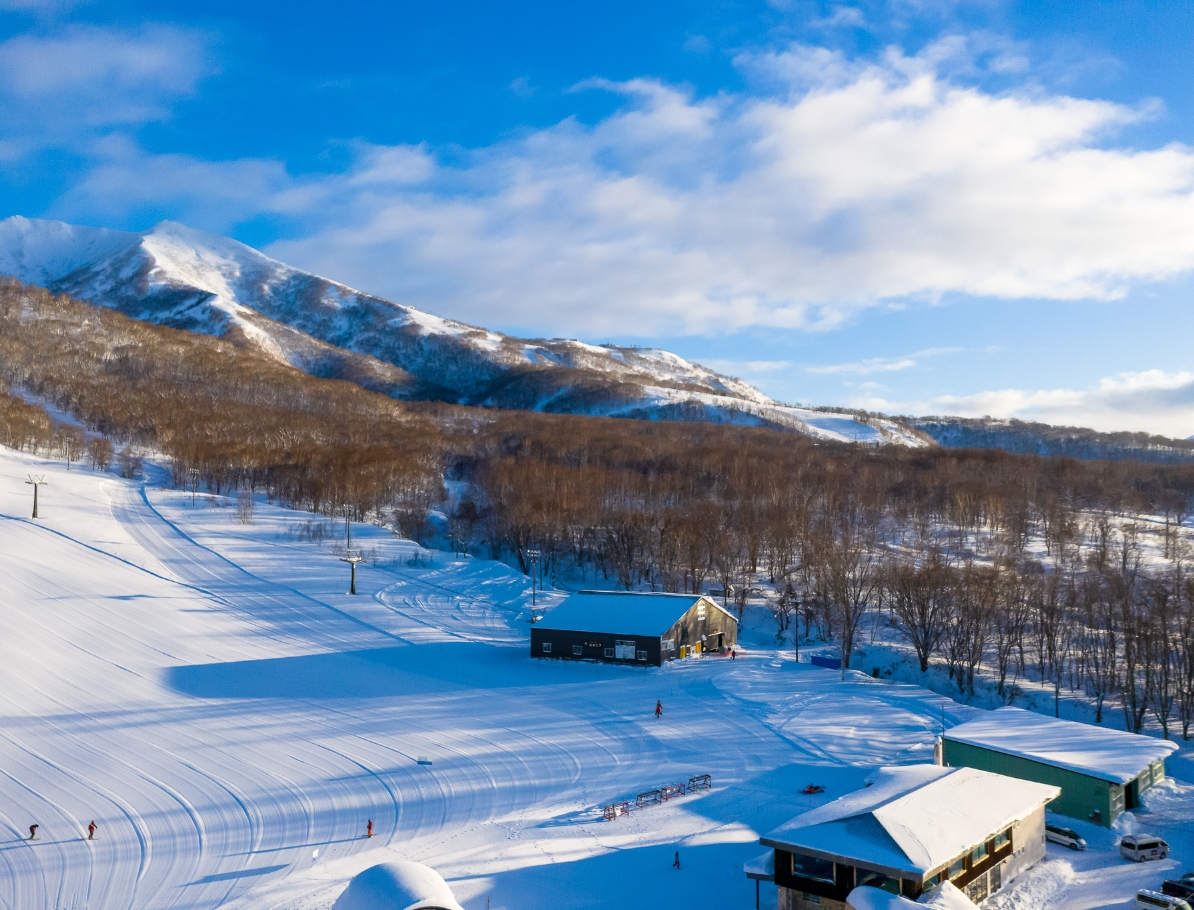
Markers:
{"x": 209, "y": 694}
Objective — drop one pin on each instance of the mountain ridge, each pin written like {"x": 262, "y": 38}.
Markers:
{"x": 188, "y": 279}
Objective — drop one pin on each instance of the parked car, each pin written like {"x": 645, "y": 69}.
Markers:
{"x": 1142, "y": 847}
{"x": 1179, "y": 887}
{"x": 1155, "y": 900}
{"x": 1067, "y": 837}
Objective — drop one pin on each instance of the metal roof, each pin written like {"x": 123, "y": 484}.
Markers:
{"x": 623, "y": 612}
{"x": 1097, "y": 752}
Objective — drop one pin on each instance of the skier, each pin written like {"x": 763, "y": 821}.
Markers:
{"x": 658, "y": 709}
{"x": 91, "y": 830}
{"x": 33, "y": 831}
{"x": 676, "y": 863}
{"x": 732, "y": 657}
{"x": 369, "y": 829}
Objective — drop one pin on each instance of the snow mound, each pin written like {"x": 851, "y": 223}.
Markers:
{"x": 944, "y": 897}
{"x": 398, "y": 885}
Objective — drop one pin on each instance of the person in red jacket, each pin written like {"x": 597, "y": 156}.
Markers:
{"x": 33, "y": 831}
{"x": 91, "y": 830}
{"x": 369, "y": 829}
{"x": 658, "y": 708}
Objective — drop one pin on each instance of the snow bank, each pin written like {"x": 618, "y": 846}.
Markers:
{"x": 868, "y": 898}
{"x": 398, "y": 885}
{"x": 945, "y": 897}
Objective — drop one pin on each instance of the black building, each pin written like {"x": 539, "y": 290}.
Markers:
{"x": 628, "y": 627}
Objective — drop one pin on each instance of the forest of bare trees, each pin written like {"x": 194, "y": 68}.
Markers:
{"x": 999, "y": 567}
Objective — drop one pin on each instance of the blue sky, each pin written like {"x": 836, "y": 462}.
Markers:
{"x": 917, "y": 206}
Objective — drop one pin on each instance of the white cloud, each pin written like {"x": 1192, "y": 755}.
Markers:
{"x": 879, "y": 364}
{"x": 58, "y": 87}
{"x": 865, "y": 367}
{"x": 1153, "y": 401}
{"x": 745, "y": 367}
{"x": 847, "y": 186}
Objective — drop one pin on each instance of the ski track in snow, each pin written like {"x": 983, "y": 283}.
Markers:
{"x": 210, "y": 695}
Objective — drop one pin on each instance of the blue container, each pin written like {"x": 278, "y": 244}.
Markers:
{"x": 829, "y": 663}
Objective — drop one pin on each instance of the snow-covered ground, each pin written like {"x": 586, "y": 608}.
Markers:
{"x": 206, "y": 691}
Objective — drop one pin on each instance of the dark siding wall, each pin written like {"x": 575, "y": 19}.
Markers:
{"x": 592, "y": 645}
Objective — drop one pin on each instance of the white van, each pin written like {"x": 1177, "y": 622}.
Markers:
{"x": 1141, "y": 847}
{"x": 1155, "y": 900}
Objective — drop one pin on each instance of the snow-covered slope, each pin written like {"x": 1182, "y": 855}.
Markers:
{"x": 200, "y": 282}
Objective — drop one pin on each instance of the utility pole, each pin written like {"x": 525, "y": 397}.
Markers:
{"x": 352, "y": 561}
{"x": 533, "y": 556}
{"x": 37, "y": 481}
{"x": 193, "y": 473}
{"x": 347, "y": 530}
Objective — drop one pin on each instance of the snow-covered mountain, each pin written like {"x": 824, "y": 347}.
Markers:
{"x": 188, "y": 279}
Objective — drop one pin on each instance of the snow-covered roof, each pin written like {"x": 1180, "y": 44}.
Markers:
{"x": 625, "y": 613}
{"x": 913, "y": 819}
{"x": 1110, "y": 755}
{"x": 761, "y": 867}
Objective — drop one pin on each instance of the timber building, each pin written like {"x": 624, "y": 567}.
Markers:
{"x": 909, "y": 831}
{"x": 631, "y": 627}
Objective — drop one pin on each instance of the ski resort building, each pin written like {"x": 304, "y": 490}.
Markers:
{"x": 629, "y": 627}
{"x": 1100, "y": 772}
{"x": 910, "y": 830}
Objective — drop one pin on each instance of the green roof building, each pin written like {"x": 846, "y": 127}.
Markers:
{"x": 1101, "y": 772}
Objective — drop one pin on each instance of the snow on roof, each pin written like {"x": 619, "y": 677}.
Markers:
{"x": 916, "y": 818}
{"x": 761, "y": 867}
{"x": 628, "y": 613}
{"x": 1110, "y": 755}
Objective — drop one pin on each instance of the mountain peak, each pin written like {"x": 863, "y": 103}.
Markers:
{"x": 178, "y": 276}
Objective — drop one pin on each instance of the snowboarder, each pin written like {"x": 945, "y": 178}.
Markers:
{"x": 369, "y": 829}
{"x": 33, "y": 831}
{"x": 676, "y": 862}
{"x": 91, "y": 830}
{"x": 732, "y": 657}
{"x": 658, "y": 708}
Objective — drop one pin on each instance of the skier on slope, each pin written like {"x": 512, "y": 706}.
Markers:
{"x": 658, "y": 708}
{"x": 91, "y": 830}
{"x": 369, "y": 829}
{"x": 676, "y": 863}
{"x": 33, "y": 831}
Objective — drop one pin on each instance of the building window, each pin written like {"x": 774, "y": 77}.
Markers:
{"x": 810, "y": 867}
{"x": 879, "y": 880}
{"x": 609, "y": 652}
{"x": 978, "y": 854}
{"x": 546, "y": 647}
{"x": 1003, "y": 838}
{"x": 668, "y": 644}
{"x": 701, "y": 610}
{"x": 957, "y": 867}
{"x": 577, "y": 650}
{"x": 642, "y": 655}
{"x": 623, "y": 650}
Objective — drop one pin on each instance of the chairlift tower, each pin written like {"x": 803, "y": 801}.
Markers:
{"x": 352, "y": 561}
{"x": 36, "y": 480}
{"x": 533, "y": 556}
{"x": 193, "y": 473}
